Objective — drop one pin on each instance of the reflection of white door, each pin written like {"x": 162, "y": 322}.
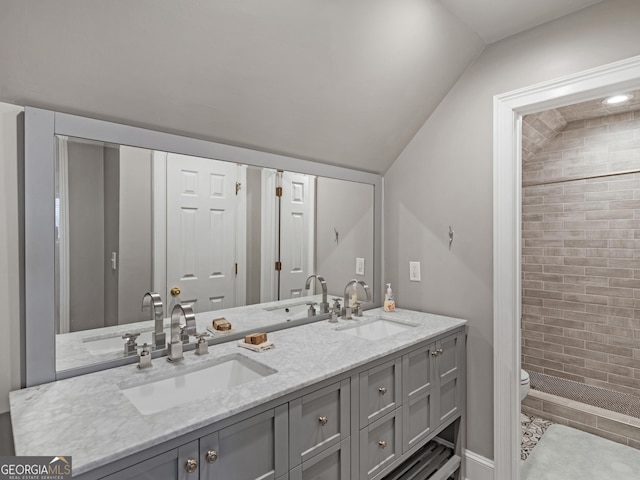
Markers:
{"x": 201, "y": 231}
{"x": 296, "y": 233}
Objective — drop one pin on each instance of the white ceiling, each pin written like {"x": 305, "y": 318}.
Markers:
{"x": 494, "y": 20}
{"x": 340, "y": 82}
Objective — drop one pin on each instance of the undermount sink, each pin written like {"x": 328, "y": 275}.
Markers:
{"x": 377, "y": 328}
{"x": 293, "y": 310}
{"x": 194, "y": 383}
{"x": 115, "y": 342}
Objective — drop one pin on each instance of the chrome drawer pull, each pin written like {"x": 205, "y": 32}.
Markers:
{"x": 382, "y": 444}
{"x": 382, "y": 390}
{"x": 191, "y": 465}
{"x": 323, "y": 421}
{"x": 211, "y": 456}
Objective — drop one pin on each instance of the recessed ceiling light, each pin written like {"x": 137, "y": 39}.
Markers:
{"x": 616, "y": 99}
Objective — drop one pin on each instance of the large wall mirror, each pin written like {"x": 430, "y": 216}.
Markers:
{"x": 113, "y": 212}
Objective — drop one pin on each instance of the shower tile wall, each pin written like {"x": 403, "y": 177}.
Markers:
{"x": 581, "y": 255}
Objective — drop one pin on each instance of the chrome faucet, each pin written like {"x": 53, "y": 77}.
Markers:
{"x": 174, "y": 348}
{"x": 324, "y": 305}
{"x": 153, "y": 301}
{"x": 346, "y": 309}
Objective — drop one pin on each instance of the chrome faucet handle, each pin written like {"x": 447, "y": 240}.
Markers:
{"x": 357, "y": 309}
{"x": 202, "y": 346}
{"x": 130, "y": 345}
{"x": 144, "y": 359}
{"x": 311, "y": 311}
{"x": 336, "y": 304}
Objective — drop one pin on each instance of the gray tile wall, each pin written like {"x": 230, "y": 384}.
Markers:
{"x": 581, "y": 255}
{"x": 597, "y": 146}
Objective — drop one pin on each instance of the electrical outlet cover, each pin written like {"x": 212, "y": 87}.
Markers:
{"x": 414, "y": 271}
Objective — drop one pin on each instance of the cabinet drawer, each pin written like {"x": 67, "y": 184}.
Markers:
{"x": 418, "y": 371}
{"x": 417, "y": 419}
{"x": 380, "y": 391}
{"x": 254, "y": 448}
{"x": 331, "y": 464}
{"x": 380, "y": 445}
{"x": 318, "y": 421}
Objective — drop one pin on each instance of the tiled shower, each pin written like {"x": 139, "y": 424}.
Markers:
{"x": 581, "y": 267}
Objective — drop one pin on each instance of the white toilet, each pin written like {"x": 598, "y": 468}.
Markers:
{"x": 525, "y": 384}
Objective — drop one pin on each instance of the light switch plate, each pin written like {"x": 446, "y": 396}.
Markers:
{"x": 359, "y": 266}
{"x": 414, "y": 271}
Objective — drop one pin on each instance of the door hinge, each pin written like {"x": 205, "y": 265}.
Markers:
{"x": 238, "y": 187}
{"x": 278, "y": 191}
{"x": 236, "y": 269}
{"x": 278, "y": 266}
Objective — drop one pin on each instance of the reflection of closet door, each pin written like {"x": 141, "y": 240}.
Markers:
{"x": 296, "y": 233}
{"x": 201, "y": 233}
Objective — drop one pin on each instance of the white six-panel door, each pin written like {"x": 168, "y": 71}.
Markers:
{"x": 201, "y": 231}
{"x": 297, "y": 233}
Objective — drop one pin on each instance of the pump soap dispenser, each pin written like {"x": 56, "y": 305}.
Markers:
{"x": 389, "y": 303}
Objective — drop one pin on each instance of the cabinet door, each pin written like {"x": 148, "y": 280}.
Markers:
{"x": 380, "y": 445}
{"x": 255, "y": 448}
{"x": 318, "y": 421}
{"x": 331, "y": 464}
{"x": 449, "y": 364}
{"x": 171, "y": 465}
{"x": 418, "y": 375}
{"x": 380, "y": 389}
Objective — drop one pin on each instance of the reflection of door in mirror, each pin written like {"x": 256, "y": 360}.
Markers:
{"x": 297, "y": 236}
{"x": 202, "y": 210}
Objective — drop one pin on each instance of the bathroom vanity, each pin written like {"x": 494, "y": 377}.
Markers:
{"x": 352, "y": 399}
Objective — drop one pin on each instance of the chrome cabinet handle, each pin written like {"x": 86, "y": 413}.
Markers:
{"x": 323, "y": 420}
{"x": 434, "y": 353}
{"x": 211, "y": 456}
{"x": 382, "y": 444}
{"x": 382, "y": 390}
{"x": 439, "y": 350}
{"x": 191, "y": 465}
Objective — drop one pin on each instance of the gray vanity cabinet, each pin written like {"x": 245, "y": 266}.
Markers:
{"x": 380, "y": 444}
{"x": 331, "y": 464}
{"x": 171, "y": 465}
{"x": 432, "y": 391}
{"x": 255, "y": 448}
{"x": 449, "y": 361}
{"x": 379, "y": 391}
{"x": 361, "y": 424}
{"x": 318, "y": 420}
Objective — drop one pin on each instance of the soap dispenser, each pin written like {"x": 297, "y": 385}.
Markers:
{"x": 389, "y": 302}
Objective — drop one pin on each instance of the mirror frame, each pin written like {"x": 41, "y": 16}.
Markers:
{"x": 41, "y": 128}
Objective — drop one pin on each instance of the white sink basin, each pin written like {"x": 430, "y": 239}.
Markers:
{"x": 377, "y": 328}
{"x": 195, "y": 383}
{"x": 291, "y": 311}
{"x": 115, "y": 342}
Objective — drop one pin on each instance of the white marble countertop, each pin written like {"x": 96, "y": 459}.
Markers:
{"x": 90, "y": 418}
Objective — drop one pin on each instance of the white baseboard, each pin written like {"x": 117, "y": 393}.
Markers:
{"x": 478, "y": 467}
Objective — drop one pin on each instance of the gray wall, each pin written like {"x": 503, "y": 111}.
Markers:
{"x": 86, "y": 236}
{"x": 444, "y": 177}
{"x": 135, "y": 274}
{"x": 111, "y": 231}
{"x": 254, "y": 201}
{"x": 347, "y": 207}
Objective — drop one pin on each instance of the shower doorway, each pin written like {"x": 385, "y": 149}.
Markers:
{"x": 509, "y": 108}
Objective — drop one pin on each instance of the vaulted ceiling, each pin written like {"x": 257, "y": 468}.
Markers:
{"x": 346, "y": 82}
